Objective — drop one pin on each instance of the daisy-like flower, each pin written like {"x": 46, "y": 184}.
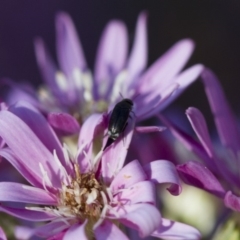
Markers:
{"x": 221, "y": 167}
{"x": 71, "y": 87}
{"x": 86, "y": 196}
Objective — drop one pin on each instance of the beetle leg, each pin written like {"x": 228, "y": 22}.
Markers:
{"x": 124, "y": 131}
{"x": 133, "y": 114}
{"x": 108, "y": 115}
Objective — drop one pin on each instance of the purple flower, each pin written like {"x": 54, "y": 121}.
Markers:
{"x": 87, "y": 195}
{"x": 220, "y": 165}
{"x": 71, "y": 88}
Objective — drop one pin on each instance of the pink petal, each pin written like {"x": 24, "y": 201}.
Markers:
{"x": 129, "y": 175}
{"x": 199, "y": 125}
{"x": 58, "y": 236}
{"x": 92, "y": 129}
{"x": 18, "y": 93}
{"x": 50, "y": 229}
{"x": 225, "y": 120}
{"x": 162, "y": 171}
{"x": 23, "y": 233}
{"x": 176, "y": 231}
{"x": 163, "y": 71}
{"x": 146, "y": 105}
{"x": 47, "y": 66}
{"x": 138, "y": 58}
{"x": 190, "y": 143}
{"x": 2, "y": 235}
{"x": 63, "y": 123}
{"x": 76, "y": 232}
{"x": 232, "y": 201}
{"x": 69, "y": 49}
{"x": 143, "y": 217}
{"x": 114, "y": 156}
{"x": 19, "y": 137}
{"x": 150, "y": 109}
{"x": 33, "y": 118}
{"x": 184, "y": 79}
{"x": 28, "y": 215}
{"x": 149, "y": 129}
{"x": 16, "y": 192}
{"x": 149, "y": 147}
{"x": 196, "y": 174}
{"x": 134, "y": 194}
{"x": 111, "y": 55}
{"x": 22, "y": 167}
{"x": 109, "y": 231}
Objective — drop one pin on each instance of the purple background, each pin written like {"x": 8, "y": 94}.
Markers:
{"x": 214, "y": 25}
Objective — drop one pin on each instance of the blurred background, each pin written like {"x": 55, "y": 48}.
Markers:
{"x": 214, "y": 26}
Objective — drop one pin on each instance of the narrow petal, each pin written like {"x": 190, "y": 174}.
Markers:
{"x": 151, "y": 109}
{"x": 22, "y": 167}
{"x": 199, "y": 125}
{"x": 232, "y": 201}
{"x": 28, "y": 215}
{"x": 2, "y": 235}
{"x": 225, "y": 121}
{"x": 138, "y": 58}
{"x": 89, "y": 128}
{"x": 69, "y": 49}
{"x": 16, "y": 192}
{"x": 149, "y": 147}
{"x": 144, "y": 107}
{"x": 134, "y": 194}
{"x": 58, "y": 236}
{"x": 189, "y": 142}
{"x": 63, "y": 123}
{"x": 184, "y": 79}
{"x": 162, "y": 171}
{"x": 107, "y": 231}
{"x": 176, "y": 231}
{"x": 114, "y": 156}
{"x": 129, "y": 175}
{"x": 33, "y": 118}
{"x": 214, "y": 164}
{"x": 50, "y": 229}
{"x": 167, "y": 66}
{"x": 76, "y": 232}
{"x": 19, "y": 92}
{"x": 23, "y": 233}
{"x": 149, "y": 129}
{"x": 19, "y": 137}
{"x": 196, "y": 174}
{"x": 47, "y": 66}
{"x": 143, "y": 217}
{"x": 111, "y": 55}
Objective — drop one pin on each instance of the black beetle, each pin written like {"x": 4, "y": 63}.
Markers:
{"x": 118, "y": 120}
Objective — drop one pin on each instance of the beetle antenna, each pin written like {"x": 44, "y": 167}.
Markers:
{"x": 121, "y": 95}
{"x": 136, "y": 96}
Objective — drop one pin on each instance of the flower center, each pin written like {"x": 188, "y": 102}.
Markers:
{"x": 90, "y": 107}
{"x": 82, "y": 197}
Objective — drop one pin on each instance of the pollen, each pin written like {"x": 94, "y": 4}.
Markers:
{"x": 82, "y": 198}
